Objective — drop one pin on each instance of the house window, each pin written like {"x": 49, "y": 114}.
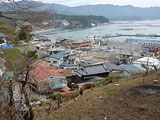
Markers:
{"x": 54, "y": 62}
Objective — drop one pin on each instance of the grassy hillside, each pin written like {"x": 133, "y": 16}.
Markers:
{"x": 112, "y": 102}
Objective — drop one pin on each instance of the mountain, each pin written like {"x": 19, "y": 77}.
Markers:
{"x": 59, "y": 21}
{"x": 67, "y": 20}
{"x": 75, "y": 21}
{"x": 109, "y": 11}
{"x": 113, "y": 12}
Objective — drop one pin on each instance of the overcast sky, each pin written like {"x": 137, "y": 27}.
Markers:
{"x": 138, "y": 3}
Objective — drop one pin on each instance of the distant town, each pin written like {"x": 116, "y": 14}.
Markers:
{"x": 48, "y": 74}
{"x": 84, "y": 61}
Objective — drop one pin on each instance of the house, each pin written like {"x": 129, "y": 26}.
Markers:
{"x": 62, "y": 60}
{"x": 126, "y": 56}
{"x": 128, "y": 70}
{"x": 112, "y": 67}
{"x": 70, "y": 63}
{"x": 81, "y": 44}
{"x": 51, "y": 84}
{"x": 93, "y": 38}
{"x": 58, "y": 58}
{"x": 49, "y": 79}
{"x": 41, "y": 42}
{"x": 147, "y": 53}
{"x": 40, "y": 39}
{"x": 145, "y": 42}
{"x": 54, "y": 50}
{"x": 151, "y": 51}
{"x": 125, "y": 53}
{"x": 90, "y": 72}
{"x": 60, "y": 41}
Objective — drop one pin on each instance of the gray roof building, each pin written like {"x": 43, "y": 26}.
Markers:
{"x": 127, "y": 53}
{"x": 60, "y": 55}
{"x": 97, "y": 69}
{"x": 131, "y": 68}
{"x": 112, "y": 67}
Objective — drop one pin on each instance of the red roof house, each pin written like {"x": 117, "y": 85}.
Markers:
{"x": 50, "y": 78}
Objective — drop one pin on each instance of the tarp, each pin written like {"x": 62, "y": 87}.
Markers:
{"x": 6, "y": 46}
{"x": 147, "y": 60}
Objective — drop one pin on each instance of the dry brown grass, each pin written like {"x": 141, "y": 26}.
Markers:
{"x": 111, "y": 102}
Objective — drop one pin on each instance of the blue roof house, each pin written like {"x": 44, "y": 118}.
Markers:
{"x": 58, "y": 58}
{"x": 62, "y": 60}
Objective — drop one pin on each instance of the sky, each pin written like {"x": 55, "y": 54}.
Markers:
{"x": 137, "y": 3}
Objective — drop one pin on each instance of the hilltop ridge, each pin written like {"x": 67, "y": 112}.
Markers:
{"x": 112, "y": 12}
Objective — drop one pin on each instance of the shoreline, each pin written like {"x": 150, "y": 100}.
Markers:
{"x": 58, "y": 29}
{"x": 111, "y": 28}
{"x": 109, "y": 23}
{"x": 43, "y": 30}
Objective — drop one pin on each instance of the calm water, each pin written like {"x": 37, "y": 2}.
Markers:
{"x": 124, "y": 27}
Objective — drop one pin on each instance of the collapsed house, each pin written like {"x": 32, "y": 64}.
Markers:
{"x": 49, "y": 79}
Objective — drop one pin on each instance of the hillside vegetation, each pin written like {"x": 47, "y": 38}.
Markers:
{"x": 15, "y": 37}
{"x": 75, "y": 21}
